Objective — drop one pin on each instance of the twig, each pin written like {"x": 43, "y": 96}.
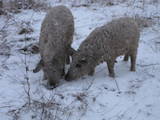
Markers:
{"x": 117, "y": 86}
{"x": 9, "y": 106}
{"x": 148, "y": 65}
{"x": 16, "y": 112}
{"x": 26, "y": 77}
{"x": 90, "y": 85}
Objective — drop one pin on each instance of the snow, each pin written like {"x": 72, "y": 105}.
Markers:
{"x": 89, "y": 98}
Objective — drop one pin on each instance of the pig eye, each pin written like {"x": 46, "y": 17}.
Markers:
{"x": 78, "y": 65}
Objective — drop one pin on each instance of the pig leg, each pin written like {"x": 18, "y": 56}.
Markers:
{"x": 126, "y": 57}
{"x": 63, "y": 72}
{"x": 133, "y": 61}
{"x": 68, "y": 59}
{"x": 110, "y": 64}
{"x": 91, "y": 73}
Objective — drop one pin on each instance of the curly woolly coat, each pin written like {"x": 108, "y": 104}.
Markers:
{"x": 106, "y": 43}
{"x": 56, "y": 36}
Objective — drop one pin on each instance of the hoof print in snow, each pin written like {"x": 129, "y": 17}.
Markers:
{"x": 130, "y": 92}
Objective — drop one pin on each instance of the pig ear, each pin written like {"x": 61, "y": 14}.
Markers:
{"x": 72, "y": 51}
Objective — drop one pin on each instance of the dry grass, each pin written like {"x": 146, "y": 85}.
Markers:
{"x": 16, "y": 7}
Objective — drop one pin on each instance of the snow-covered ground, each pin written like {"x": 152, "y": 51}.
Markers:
{"x": 24, "y": 97}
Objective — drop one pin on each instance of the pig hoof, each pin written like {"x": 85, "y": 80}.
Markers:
{"x": 112, "y": 75}
{"x": 67, "y": 78}
{"x": 133, "y": 69}
{"x": 91, "y": 73}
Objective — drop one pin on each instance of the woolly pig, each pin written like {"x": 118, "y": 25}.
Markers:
{"x": 106, "y": 43}
{"x": 55, "y": 41}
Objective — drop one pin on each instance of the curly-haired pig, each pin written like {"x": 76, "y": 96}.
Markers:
{"x": 105, "y": 44}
